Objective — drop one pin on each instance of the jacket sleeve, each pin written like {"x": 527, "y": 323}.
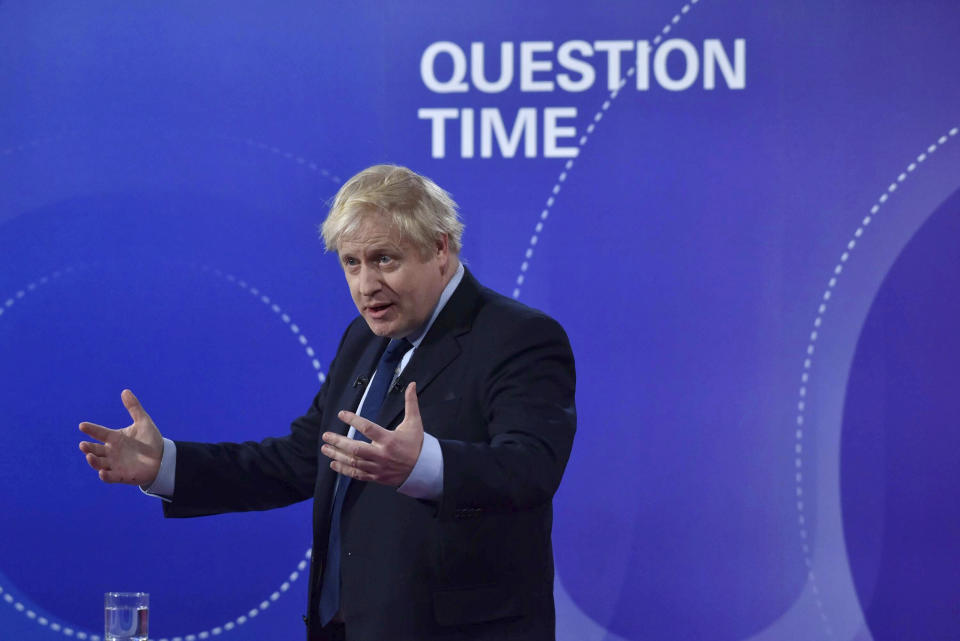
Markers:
{"x": 527, "y": 404}
{"x": 213, "y": 478}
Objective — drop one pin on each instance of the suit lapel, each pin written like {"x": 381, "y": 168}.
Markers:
{"x": 348, "y": 399}
{"x": 353, "y": 391}
{"x": 438, "y": 349}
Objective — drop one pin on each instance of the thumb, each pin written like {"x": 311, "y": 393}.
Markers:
{"x": 133, "y": 405}
{"x": 411, "y": 406}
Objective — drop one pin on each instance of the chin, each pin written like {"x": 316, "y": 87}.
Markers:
{"x": 379, "y": 328}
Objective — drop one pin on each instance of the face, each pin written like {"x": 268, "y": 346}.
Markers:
{"x": 393, "y": 286}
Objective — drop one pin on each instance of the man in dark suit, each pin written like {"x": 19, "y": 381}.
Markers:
{"x": 432, "y": 474}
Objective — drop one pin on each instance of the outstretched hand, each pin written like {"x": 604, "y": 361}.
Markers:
{"x": 390, "y": 455}
{"x": 130, "y": 455}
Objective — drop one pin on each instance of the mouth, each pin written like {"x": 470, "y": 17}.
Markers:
{"x": 378, "y": 311}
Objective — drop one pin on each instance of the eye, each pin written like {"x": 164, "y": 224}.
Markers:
{"x": 349, "y": 261}
{"x": 384, "y": 260}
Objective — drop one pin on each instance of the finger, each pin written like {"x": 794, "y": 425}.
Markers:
{"x": 98, "y": 432}
{"x": 348, "y": 470}
{"x": 111, "y": 476}
{"x": 98, "y": 463}
{"x": 368, "y": 428}
{"x": 337, "y": 440}
{"x": 410, "y": 403}
{"x": 350, "y": 459}
{"x": 133, "y": 405}
{"x": 349, "y": 448}
{"x": 97, "y": 449}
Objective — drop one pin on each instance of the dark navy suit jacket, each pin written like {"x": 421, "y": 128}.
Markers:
{"x": 495, "y": 381}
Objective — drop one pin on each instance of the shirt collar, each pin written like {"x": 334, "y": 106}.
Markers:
{"x": 444, "y": 297}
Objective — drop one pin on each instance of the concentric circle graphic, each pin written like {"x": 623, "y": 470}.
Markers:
{"x": 178, "y": 261}
{"x": 808, "y": 360}
{"x": 20, "y": 298}
{"x": 166, "y": 169}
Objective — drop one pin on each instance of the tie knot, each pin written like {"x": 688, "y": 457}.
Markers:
{"x": 396, "y": 349}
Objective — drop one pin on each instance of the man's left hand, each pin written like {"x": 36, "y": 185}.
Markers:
{"x": 390, "y": 455}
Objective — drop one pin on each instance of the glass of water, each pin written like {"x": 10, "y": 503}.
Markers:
{"x": 125, "y": 616}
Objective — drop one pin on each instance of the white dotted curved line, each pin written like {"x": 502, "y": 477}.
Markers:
{"x": 7, "y": 597}
{"x": 284, "y": 317}
{"x": 252, "y": 613}
{"x": 32, "y": 286}
{"x": 301, "y": 566}
{"x": 43, "y": 621}
{"x": 581, "y": 143}
{"x": 811, "y": 348}
{"x": 250, "y": 142}
{"x": 288, "y": 155}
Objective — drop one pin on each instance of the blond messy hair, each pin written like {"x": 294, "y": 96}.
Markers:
{"x": 419, "y": 209}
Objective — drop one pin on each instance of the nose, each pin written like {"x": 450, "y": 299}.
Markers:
{"x": 369, "y": 280}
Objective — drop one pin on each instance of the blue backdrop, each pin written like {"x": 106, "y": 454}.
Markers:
{"x": 745, "y": 215}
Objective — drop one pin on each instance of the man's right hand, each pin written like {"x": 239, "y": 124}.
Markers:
{"x": 130, "y": 455}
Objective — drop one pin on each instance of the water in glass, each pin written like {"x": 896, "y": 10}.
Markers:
{"x": 124, "y": 623}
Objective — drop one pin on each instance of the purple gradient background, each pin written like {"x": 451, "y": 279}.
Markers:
{"x": 686, "y": 255}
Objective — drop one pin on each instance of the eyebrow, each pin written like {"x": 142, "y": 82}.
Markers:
{"x": 386, "y": 247}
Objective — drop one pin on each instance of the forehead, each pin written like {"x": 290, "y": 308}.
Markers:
{"x": 373, "y": 232}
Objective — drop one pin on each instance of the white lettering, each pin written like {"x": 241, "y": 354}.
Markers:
{"x": 582, "y": 67}
{"x": 576, "y": 64}
{"x": 529, "y": 66}
{"x": 551, "y": 132}
{"x": 613, "y": 48}
{"x": 525, "y": 126}
{"x": 714, "y": 56}
{"x": 427, "y": 68}
{"x": 643, "y": 65}
{"x": 477, "y": 68}
{"x": 437, "y": 137}
{"x": 574, "y": 67}
{"x": 692, "y": 62}
{"x": 466, "y": 133}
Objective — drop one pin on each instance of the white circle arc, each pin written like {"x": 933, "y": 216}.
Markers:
{"x": 6, "y": 307}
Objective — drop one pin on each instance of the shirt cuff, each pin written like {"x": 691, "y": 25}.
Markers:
{"x": 162, "y": 486}
{"x": 426, "y": 479}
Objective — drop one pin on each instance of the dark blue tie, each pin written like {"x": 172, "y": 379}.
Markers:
{"x": 379, "y": 386}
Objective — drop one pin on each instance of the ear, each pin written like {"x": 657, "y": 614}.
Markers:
{"x": 442, "y": 248}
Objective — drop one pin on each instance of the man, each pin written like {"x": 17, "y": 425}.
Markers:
{"x": 432, "y": 450}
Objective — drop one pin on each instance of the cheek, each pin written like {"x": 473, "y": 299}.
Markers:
{"x": 420, "y": 305}
{"x": 400, "y": 288}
